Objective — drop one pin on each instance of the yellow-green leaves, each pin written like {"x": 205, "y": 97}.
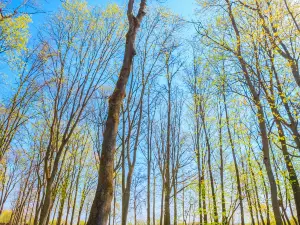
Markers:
{"x": 81, "y": 19}
{"x": 76, "y": 6}
{"x": 168, "y": 16}
{"x": 112, "y": 10}
{"x": 5, "y": 216}
{"x": 74, "y": 12}
{"x": 165, "y": 13}
{"x": 14, "y": 33}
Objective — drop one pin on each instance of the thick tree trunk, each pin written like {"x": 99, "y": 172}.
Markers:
{"x": 104, "y": 193}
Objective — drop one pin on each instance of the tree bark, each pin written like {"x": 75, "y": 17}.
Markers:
{"x": 237, "y": 173}
{"x": 102, "y": 202}
{"x": 224, "y": 219}
{"x": 260, "y": 118}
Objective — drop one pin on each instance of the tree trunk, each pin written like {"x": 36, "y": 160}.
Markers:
{"x": 149, "y": 161}
{"x": 167, "y": 219}
{"x": 293, "y": 179}
{"x": 260, "y": 118}
{"x": 102, "y": 202}
{"x": 254, "y": 183}
{"x": 224, "y": 219}
{"x": 45, "y": 211}
{"x": 126, "y": 196}
{"x": 175, "y": 201}
{"x": 203, "y": 191}
{"x": 154, "y": 188}
{"x": 162, "y": 202}
{"x": 234, "y": 160}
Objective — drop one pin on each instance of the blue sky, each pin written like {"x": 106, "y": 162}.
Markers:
{"x": 184, "y": 8}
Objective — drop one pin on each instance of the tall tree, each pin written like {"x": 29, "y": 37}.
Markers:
{"x": 104, "y": 193}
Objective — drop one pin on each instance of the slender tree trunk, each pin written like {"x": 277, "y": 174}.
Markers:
{"x": 291, "y": 209}
{"x": 149, "y": 161}
{"x": 292, "y": 177}
{"x": 215, "y": 211}
{"x": 68, "y": 207}
{"x": 212, "y": 186}
{"x": 149, "y": 182}
{"x": 203, "y": 191}
{"x": 131, "y": 163}
{"x": 60, "y": 211}
{"x": 162, "y": 202}
{"x": 250, "y": 206}
{"x": 135, "y": 208}
{"x": 75, "y": 198}
{"x": 199, "y": 174}
{"x": 260, "y": 118}
{"x": 224, "y": 219}
{"x": 237, "y": 173}
{"x": 175, "y": 202}
{"x": 114, "y": 203}
{"x": 126, "y": 196}
{"x": 283, "y": 209}
{"x": 254, "y": 183}
{"x": 79, "y": 211}
{"x": 183, "y": 207}
{"x": 167, "y": 186}
{"x": 267, "y": 162}
{"x": 154, "y": 197}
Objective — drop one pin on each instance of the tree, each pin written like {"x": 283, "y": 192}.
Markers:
{"x": 208, "y": 112}
{"x": 14, "y": 25}
{"x": 79, "y": 59}
{"x": 104, "y": 193}
{"x": 14, "y": 111}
